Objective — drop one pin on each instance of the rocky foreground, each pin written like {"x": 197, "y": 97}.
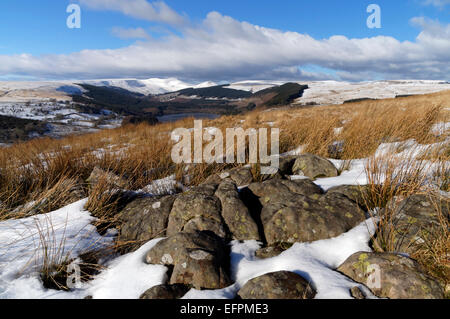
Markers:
{"x": 279, "y": 212}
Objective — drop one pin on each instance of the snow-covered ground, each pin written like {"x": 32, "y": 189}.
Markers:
{"x": 332, "y": 92}
{"x": 44, "y": 111}
{"x": 320, "y": 92}
{"x": 62, "y": 116}
{"x": 148, "y": 86}
{"x": 254, "y": 86}
{"x": 61, "y": 90}
{"x": 65, "y": 232}
{"x": 128, "y": 276}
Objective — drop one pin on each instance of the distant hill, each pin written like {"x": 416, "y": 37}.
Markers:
{"x": 218, "y": 99}
{"x": 115, "y": 99}
{"x": 14, "y": 129}
{"x": 219, "y": 92}
{"x": 284, "y": 94}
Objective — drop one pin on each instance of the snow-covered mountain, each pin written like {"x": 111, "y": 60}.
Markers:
{"x": 36, "y": 91}
{"x": 333, "y": 92}
{"x": 148, "y": 86}
{"x": 320, "y": 92}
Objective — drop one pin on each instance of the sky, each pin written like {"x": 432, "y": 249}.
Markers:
{"x": 201, "y": 40}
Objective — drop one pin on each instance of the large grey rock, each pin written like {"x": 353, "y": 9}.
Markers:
{"x": 200, "y": 259}
{"x": 197, "y": 209}
{"x": 213, "y": 180}
{"x": 145, "y": 219}
{"x": 286, "y": 165}
{"x": 280, "y": 189}
{"x": 399, "y": 277}
{"x": 417, "y": 221}
{"x": 242, "y": 176}
{"x": 167, "y": 292}
{"x": 314, "y": 167}
{"x": 297, "y": 211}
{"x": 356, "y": 193}
{"x": 277, "y": 285}
{"x": 236, "y": 215}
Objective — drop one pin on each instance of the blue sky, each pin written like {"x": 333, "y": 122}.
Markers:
{"x": 38, "y": 29}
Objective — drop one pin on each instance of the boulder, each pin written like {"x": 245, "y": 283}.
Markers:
{"x": 298, "y": 211}
{"x": 417, "y": 219}
{"x": 200, "y": 259}
{"x": 392, "y": 276}
{"x": 286, "y": 164}
{"x": 168, "y": 292}
{"x": 235, "y": 214}
{"x": 277, "y": 285}
{"x": 145, "y": 218}
{"x": 213, "y": 180}
{"x": 242, "y": 176}
{"x": 278, "y": 189}
{"x": 314, "y": 167}
{"x": 197, "y": 209}
{"x": 353, "y": 192}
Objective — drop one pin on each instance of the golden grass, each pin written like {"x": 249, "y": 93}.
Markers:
{"x": 48, "y": 169}
{"x": 434, "y": 253}
{"x": 392, "y": 178}
{"x": 142, "y": 152}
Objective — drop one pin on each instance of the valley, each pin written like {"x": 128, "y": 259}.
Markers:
{"x": 58, "y": 109}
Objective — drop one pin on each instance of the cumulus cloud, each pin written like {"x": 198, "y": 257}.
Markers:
{"x": 222, "y": 48}
{"x": 140, "y": 9}
{"x": 437, "y": 3}
{"x": 131, "y": 33}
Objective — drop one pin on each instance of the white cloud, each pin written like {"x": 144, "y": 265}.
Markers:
{"x": 131, "y": 33}
{"x": 437, "y": 3}
{"x": 140, "y": 9}
{"x": 222, "y": 48}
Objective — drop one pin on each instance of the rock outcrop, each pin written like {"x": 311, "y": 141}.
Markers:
{"x": 391, "y": 276}
{"x": 277, "y": 285}
{"x": 235, "y": 214}
{"x": 314, "y": 167}
{"x": 167, "y": 292}
{"x": 298, "y": 211}
{"x": 145, "y": 218}
{"x": 416, "y": 220}
{"x": 200, "y": 259}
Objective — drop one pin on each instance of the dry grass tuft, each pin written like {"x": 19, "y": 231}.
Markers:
{"x": 33, "y": 170}
{"x": 393, "y": 178}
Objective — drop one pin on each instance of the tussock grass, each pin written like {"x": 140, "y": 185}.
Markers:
{"x": 391, "y": 179}
{"x": 142, "y": 153}
{"x": 46, "y": 171}
{"x": 53, "y": 259}
{"x": 434, "y": 253}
